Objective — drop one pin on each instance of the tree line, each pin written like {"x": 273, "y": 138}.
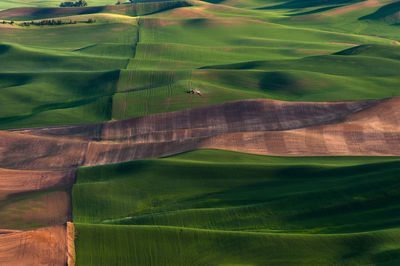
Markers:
{"x": 80, "y": 3}
{"x": 8, "y": 22}
{"x": 53, "y": 22}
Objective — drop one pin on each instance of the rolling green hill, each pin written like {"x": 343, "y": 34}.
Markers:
{"x": 154, "y": 245}
{"x": 107, "y": 62}
{"x": 229, "y": 51}
{"x": 6, "y": 4}
{"x": 217, "y": 196}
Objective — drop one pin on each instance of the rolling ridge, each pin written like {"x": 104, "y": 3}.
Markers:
{"x": 100, "y": 128}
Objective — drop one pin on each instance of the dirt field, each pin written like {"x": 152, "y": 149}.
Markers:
{"x": 240, "y": 116}
{"x": 48, "y": 209}
{"x": 255, "y": 126}
{"x": 42, "y": 158}
{"x": 39, "y": 153}
{"x": 45, "y": 246}
{"x": 17, "y": 181}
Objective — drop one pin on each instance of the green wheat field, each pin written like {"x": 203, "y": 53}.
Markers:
{"x": 108, "y": 62}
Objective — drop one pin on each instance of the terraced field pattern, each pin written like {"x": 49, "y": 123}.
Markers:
{"x": 188, "y": 132}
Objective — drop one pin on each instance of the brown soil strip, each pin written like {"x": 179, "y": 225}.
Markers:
{"x": 48, "y": 209}
{"x": 45, "y": 246}
{"x": 240, "y": 116}
{"x": 18, "y": 181}
{"x": 39, "y": 153}
{"x": 352, "y": 128}
{"x": 254, "y": 126}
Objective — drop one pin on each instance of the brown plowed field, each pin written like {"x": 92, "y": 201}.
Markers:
{"x": 53, "y": 208}
{"x": 45, "y": 246}
{"x": 17, "y": 181}
{"x": 19, "y": 151}
{"x": 256, "y": 126}
{"x": 240, "y": 116}
{"x": 43, "y": 158}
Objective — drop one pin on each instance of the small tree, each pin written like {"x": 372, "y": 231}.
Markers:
{"x": 79, "y": 3}
{"x": 82, "y": 3}
{"x": 67, "y": 4}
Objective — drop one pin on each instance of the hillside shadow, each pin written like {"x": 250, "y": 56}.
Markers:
{"x": 293, "y": 4}
{"x": 383, "y": 12}
{"x": 4, "y": 48}
{"x": 280, "y": 82}
{"x": 214, "y": 1}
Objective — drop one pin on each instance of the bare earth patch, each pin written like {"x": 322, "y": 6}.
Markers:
{"x": 255, "y": 126}
{"x": 268, "y": 127}
{"x": 45, "y": 246}
{"x": 17, "y": 181}
{"x": 45, "y": 210}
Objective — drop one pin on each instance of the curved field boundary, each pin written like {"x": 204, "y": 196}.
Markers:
{"x": 239, "y": 116}
{"x": 254, "y": 126}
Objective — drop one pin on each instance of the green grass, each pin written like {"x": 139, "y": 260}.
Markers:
{"x": 220, "y": 195}
{"x": 6, "y": 4}
{"x": 274, "y": 193}
{"x": 230, "y": 51}
{"x": 62, "y": 82}
{"x": 154, "y": 245}
{"x": 139, "y": 8}
{"x": 74, "y": 97}
{"x": 208, "y": 207}
{"x": 294, "y": 56}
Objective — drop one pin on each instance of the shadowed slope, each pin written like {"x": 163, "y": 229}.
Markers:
{"x": 312, "y": 211}
{"x": 389, "y": 12}
{"x": 223, "y": 190}
{"x": 373, "y": 50}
